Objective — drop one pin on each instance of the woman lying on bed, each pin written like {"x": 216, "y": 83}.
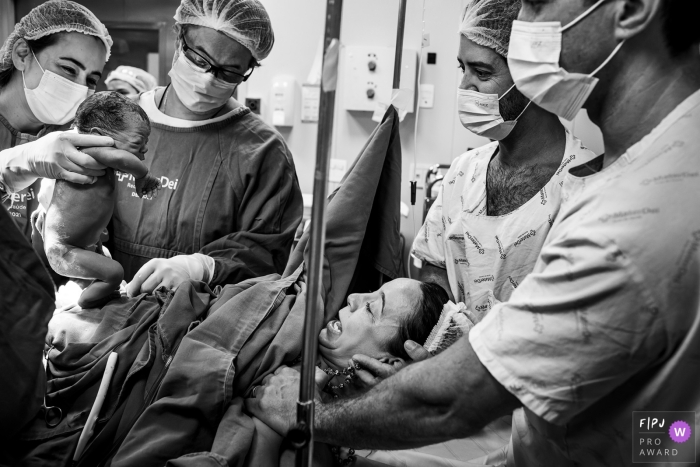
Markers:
{"x": 375, "y": 324}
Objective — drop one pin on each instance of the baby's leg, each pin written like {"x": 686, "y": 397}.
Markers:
{"x": 75, "y": 262}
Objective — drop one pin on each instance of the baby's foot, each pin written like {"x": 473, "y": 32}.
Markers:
{"x": 147, "y": 186}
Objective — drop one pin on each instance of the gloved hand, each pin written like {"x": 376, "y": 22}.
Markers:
{"x": 52, "y": 156}
{"x": 170, "y": 273}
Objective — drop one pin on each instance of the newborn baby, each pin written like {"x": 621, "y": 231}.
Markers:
{"x": 374, "y": 324}
{"x": 78, "y": 214}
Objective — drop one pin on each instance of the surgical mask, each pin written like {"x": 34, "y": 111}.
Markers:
{"x": 56, "y": 99}
{"x": 533, "y": 60}
{"x": 198, "y": 90}
{"x": 480, "y": 114}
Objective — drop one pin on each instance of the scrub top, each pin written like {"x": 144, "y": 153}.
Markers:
{"x": 229, "y": 190}
{"x": 21, "y": 204}
{"x": 487, "y": 257}
{"x": 608, "y": 323}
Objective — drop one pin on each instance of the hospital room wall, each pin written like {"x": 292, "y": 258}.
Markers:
{"x": 440, "y": 137}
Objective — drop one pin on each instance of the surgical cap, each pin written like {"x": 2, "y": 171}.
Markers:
{"x": 141, "y": 80}
{"x": 50, "y": 18}
{"x": 488, "y": 23}
{"x": 245, "y": 21}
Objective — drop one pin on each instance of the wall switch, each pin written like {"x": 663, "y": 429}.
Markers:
{"x": 337, "y": 170}
{"x": 427, "y": 96}
{"x": 253, "y": 104}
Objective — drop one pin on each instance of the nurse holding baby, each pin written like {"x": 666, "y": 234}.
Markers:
{"x": 48, "y": 66}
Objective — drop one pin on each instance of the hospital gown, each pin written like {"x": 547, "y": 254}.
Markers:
{"x": 609, "y": 321}
{"x": 486, "y": 257}
{"x": 229, "y": 190}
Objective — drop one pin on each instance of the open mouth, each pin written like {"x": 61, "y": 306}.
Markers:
{"x": 335, "y": 327}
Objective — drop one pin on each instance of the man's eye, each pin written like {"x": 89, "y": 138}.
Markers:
{"x": 68, "y": 70}
{"x": 369, "y": 310}
{"x": 461, "y": 67}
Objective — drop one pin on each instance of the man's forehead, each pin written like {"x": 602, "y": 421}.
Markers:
{"x": 471, "y": 52}
{"x": 563, "y": 11}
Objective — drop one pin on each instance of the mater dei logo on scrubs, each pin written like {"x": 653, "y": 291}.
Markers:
{"x": 663, "y": 437}
{"x": 165, "y": 182}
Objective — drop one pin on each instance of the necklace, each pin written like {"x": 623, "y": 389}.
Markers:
{"x": 348, "y": 372}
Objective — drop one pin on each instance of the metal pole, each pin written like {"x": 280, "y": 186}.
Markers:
{"x": 399, "y": 44}
{"x": 303, "y": 434}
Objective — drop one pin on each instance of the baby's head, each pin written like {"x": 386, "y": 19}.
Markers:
{"x": 110, "y": 114}
{"x": 377, "y": 324}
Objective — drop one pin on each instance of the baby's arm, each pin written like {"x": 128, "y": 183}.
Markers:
{"x": 124, "y": 161}
{"x": 120, "y": 160}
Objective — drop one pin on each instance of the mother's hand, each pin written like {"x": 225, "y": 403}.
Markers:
{"x": 52, "y": 156}
{"x": 275, "y": 401}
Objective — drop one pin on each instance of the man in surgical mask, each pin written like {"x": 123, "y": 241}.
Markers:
{"x": 603, "y": 337}
{"x": 496, "y": 205}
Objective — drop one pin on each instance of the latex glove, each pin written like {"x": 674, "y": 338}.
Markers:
{"x": 373, "y": 372}
{"x": 170, "y": 273}
{"x": 37, "y": 219}
{"x": 52, "y": 156}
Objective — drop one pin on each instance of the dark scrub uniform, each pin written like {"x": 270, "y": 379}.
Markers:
{"x": 229, "y": 190}
{"x": 26, "y": 306}
{"x": 21, "y": 204}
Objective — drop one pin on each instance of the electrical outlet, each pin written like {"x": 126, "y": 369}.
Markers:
{"x": 253, "y": 104}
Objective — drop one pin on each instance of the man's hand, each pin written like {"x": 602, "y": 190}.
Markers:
{"x": 373, "y": 372}
{"x": 275, "y": 401}
{"x": 169, "y": 273}
{"x": 52, "y": 156}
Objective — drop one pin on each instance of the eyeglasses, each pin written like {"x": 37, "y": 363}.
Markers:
{"x": 229, "y": 76}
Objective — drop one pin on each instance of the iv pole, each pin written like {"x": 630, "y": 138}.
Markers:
{"x": 301, "y": 436}
{"x": 399, "y": 45}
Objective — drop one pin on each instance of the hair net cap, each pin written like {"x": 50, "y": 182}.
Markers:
{"x": 488, "y": 23}
{"x": 52, "y": 17}
{"x": 245, "y": 21}
{"x": 141, "y": 80}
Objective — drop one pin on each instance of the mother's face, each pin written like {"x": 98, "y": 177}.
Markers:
{"x": 369, "y": 321}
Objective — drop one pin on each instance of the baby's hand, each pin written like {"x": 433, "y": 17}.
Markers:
{"x": 147, "y": 186}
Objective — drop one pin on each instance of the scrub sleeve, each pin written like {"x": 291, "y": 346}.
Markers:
{"x": 229, "y": 190}
{"x": 22, "y": 204}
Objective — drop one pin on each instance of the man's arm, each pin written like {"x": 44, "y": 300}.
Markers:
{"x": 449, "y": 396}
{"x": 437, "y": 275}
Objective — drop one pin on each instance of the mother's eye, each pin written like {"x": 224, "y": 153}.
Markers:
{"x": 369, "y": 310}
